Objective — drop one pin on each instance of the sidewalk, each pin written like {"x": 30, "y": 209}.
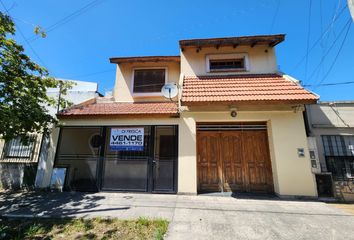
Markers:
{"x": 194, "y": 217}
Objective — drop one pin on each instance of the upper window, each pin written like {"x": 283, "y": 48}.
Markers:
{"x": 227, "y": 62}
{"x": 15, "y": 148}
{"x": 149, "y": 80}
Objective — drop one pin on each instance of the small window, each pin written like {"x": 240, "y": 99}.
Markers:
{"x": 226, "y": 64}
{"x": 15, "y": 148}
{"x": 149, "y": 80}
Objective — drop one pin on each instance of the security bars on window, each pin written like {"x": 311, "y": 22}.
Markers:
{"x": 16, "y": 148}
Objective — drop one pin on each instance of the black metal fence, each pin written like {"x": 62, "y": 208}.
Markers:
{"x": 341, "y": 167}
{"x": 92, "y": 168}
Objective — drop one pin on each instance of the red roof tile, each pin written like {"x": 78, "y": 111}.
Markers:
{"x": 266, "y": 88}
{"x": 94, "y": 109}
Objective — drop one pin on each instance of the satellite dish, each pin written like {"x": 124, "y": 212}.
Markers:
{"x": 169, "y": 90}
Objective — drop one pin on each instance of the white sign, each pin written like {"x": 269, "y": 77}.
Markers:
{"x": 127, "y": 139}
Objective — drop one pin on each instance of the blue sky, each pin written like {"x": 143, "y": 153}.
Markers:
{"x": 80, "y": 46}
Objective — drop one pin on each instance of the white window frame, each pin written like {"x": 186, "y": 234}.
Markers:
{"x": 226, "y": 57}
{"x": 147, "y": 94}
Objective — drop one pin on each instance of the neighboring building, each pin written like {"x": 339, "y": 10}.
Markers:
{"x": 331, "y": 137}
{"x": 80, "y": 91}
{"x": 18, "y": 162}
{"x": 236, "y": 125}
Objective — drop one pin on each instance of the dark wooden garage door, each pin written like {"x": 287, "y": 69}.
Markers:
{"x": 236, "y": 161}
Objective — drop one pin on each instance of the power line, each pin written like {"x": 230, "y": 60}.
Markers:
{"x": 329, "y": 50}
{"x": 23, "y": 36}
{"x": 275, "y": 15}
{"x": 322, "y": 45}
{"x": 24, "y": 21}
{"x": 69, "y": 17}
{"x": 73, "y": 15}
{"x": 308, "y": 40}
{"x": 336, "y": 57}
{"x": 329, "y": 84}
{"x": 94, "y": 73}
{"x": 30, "y": 46}
{"x": 321, "y": 37}
{"x": 336, "y": 10}
{"x": 321, "y": 16}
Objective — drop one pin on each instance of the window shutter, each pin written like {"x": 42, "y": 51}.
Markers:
{"x": 148, "y": 80}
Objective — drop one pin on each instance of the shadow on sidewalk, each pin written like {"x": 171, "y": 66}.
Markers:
{"x": 59, "y": 204}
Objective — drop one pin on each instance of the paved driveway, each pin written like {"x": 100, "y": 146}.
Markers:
{"x": 195, "y": 217}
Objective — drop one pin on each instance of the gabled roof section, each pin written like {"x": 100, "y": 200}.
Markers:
{"x": 94, "y": 109}
{"x": 244, "y": 89}
{"x": 270, "y": 40}
{"x": 145, "y": 59}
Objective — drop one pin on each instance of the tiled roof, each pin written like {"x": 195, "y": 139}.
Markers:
{"x": 95, "y": 109}
{"x": 255, "y": 88}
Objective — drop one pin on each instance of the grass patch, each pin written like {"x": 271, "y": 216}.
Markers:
{"x": 79, "y": 228}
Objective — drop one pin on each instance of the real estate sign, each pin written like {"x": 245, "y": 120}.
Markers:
{"x": 127, "y": 139}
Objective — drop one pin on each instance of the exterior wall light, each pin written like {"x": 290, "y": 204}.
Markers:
{"x": 233, "y": 112}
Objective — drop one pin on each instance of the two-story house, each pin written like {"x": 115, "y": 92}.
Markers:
{"x": 236, "y": 125}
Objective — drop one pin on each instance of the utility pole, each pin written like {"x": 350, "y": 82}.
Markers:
{"x": 59, "y": 97}
{"x": 351, "y": 8}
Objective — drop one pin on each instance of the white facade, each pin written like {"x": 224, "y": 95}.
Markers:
{"x": 80, "y": 92}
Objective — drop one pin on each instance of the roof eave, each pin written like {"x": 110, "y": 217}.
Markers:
{"x": 250, "y": 102}
{"x": 105, "y": 116}
{"x": 271, "y": 40}
{"x": 118, "y": 60}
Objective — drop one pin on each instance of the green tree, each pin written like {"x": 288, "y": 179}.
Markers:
{"x": 23, "y": 85}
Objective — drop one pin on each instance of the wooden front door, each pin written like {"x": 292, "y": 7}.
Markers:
{"x": 231, "y": 160}
{"x": 236, "y": 161}
{"x": 209, "y": 166}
